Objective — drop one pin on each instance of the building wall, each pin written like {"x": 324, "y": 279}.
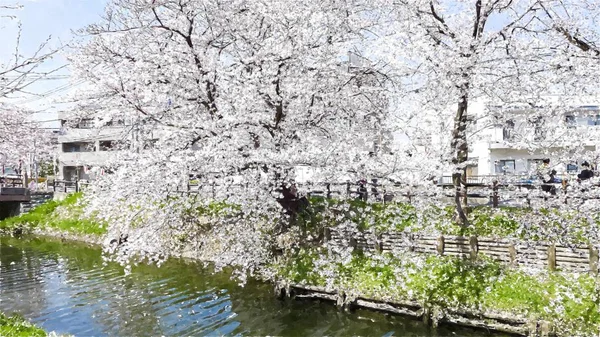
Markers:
{"x": 81, "y": 149}
{"x": 524, "y": 161}
{"x": 493, "y": 144}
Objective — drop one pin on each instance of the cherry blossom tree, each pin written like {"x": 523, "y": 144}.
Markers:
{"x": 465, "y": 66}
{"x": 18, "y": 132}
{"x": 240, "y": 93}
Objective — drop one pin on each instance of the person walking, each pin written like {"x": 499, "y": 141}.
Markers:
{"x": 546, "y": 175}
{"x": 586, "y": 173}
{"x": 362, "y": 190}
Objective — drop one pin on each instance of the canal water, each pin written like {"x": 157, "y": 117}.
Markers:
{"x": 65, "y": 287}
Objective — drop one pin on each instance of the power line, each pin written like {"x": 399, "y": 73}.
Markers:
{"x": 37, "y": 77}
{"x": 52, "y": 92}
{"x": 33, "y": 122}
{"x": 96, "y": 137}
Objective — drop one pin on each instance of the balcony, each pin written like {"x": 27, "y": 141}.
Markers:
{"x": 84, "y": 158}
{"x": 90, "y": 135}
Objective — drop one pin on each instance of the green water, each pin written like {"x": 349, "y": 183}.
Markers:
{"x": 65, "y": 287}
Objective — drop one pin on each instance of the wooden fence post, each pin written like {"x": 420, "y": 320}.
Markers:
{"x": 353, "y": 243}
{"x": 474, "y": 245}
{"x": 593, "y": 260}
{"x": 564, "y": 186}
{"x": 213, "y": 189}
{"x": 348, "y": 189}
{"x": 512, "y": 252}
{"x": 328, "y": 191}
{"x": 378, "y": 243}
{"x": 546, "y": 329}
{"x": 440, "y": 245}
{"x": 552, "y": 257}
{"x": 495, "y": 194}
{"x": 326, "y": 234}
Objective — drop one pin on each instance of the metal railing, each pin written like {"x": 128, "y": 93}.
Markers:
{"x": 521, "y": 179}
{"x": 68, "y": 186}
{"x": 11, "y": 181}
{"x": 492, "y": 188}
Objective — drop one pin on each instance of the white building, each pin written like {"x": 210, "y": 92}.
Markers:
{"x": 82, "y": 147}
{"x": 515, "y": 140}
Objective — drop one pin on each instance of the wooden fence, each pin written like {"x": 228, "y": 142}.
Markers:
{"x": 575, "y": 258}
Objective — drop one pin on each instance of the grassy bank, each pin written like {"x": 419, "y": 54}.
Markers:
{"x": 570, "y": 301}
{"x": 17, "y": 326}
{"x": 65, "y": 215}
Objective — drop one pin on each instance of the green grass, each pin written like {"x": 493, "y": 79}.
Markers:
{"x": 570, "y": 301}
{"x": 17, "y": 326}
{"x": 65, "y": 215}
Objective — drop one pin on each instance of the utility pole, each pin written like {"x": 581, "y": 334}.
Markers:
{"x": 35, "y": 166}
{"x": 54, "y": 165}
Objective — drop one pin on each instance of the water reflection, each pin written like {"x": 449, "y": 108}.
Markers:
{"x": 67, "y": 289}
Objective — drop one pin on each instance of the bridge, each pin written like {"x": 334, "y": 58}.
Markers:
{"x": 14, "y": 194}
{"x": 11, "y": 199}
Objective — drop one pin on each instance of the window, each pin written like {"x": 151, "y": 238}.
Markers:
{"x": 508, "y": 130}
{"x": 539, "y": 132}
{"x": 505, "y": 166}
{"x": 115, "y": 122}
{"x": 107, "y": 145}
{"x": 571, "y": 121}
{"x": 77, "y": 147}
{"x": 593, "y": 120}
{"x": 85, "y": 124}
{"x": 572, "y": 168}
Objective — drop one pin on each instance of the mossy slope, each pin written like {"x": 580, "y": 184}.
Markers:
{"x": 65, "y": 215}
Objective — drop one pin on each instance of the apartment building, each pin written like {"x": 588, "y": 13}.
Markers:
{"x": 515, "y": 141}
{"x": 81, "y": 147}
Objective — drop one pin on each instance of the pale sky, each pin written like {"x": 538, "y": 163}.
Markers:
{"x": 41, "y": 19}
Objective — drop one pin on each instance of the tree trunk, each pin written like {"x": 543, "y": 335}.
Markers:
{"x": 461, "y": 149}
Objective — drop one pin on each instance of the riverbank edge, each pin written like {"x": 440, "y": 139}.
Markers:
{"x": 432, "y": 316}
{"x": 16, "y": 325}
